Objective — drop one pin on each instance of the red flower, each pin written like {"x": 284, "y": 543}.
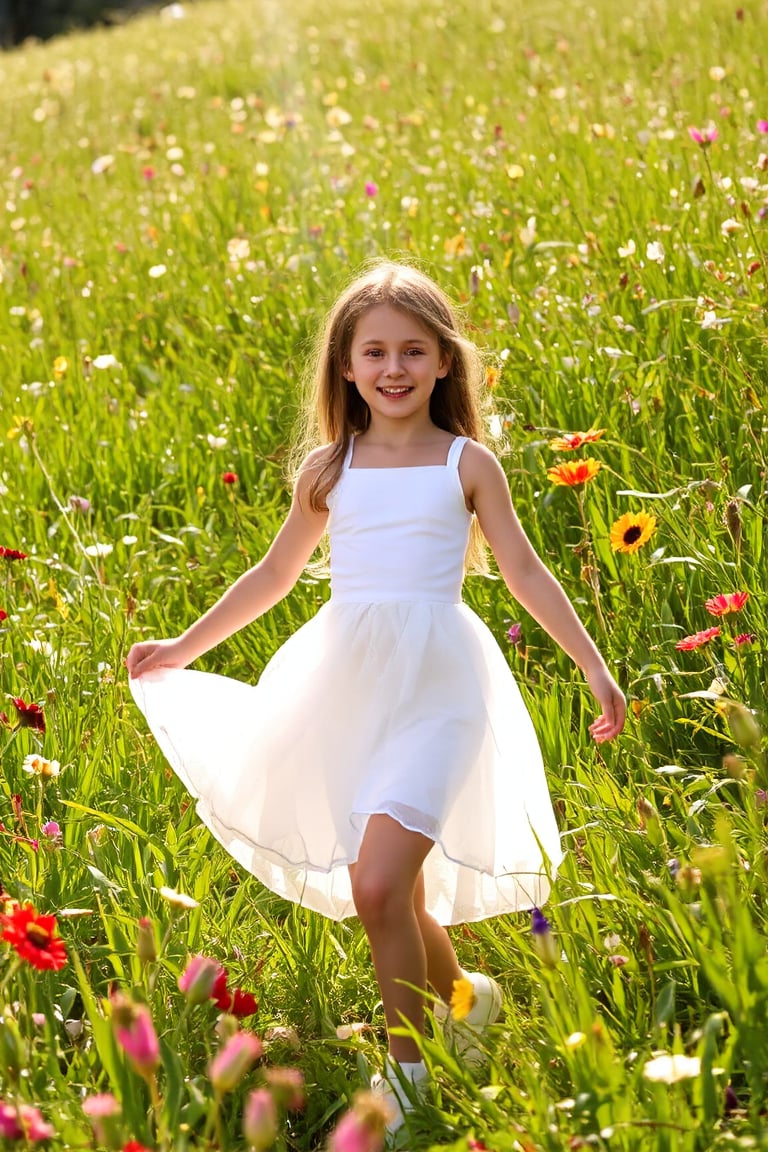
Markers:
{"x": 3, "y": 615}
{"x": 134, "y": 1146}
{"x": 229, "y": 477}
{"x": 744, "y": 638}
{"x": 697, "y": 640}
{"x": 35, "y": 938}
{"x": 237, "y": 1003}
{"x": 726, "y": 602}
{"x": 11, "y": 554}
{"x": 30, "y": 715}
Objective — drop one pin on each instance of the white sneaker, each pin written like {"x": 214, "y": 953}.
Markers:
{"x": 461, "y": 1035}
{"x": 402, "y": 1086}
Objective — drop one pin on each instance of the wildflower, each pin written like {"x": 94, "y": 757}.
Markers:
{"x": 34, "y": 937}
{"x": 543, "y": 941}
{"x": 572, "y": 440}
{"x": 134, "y": 1032}
{"x": 11, "y": 554}
{"x": 3, "y": 615}
{"x": 628, "y": 249}
{"x": 237, "y": 1003}
{"x": 229, "y": 477}
{"x": 762, "y": 125}
{"x": 51, "y": 830}
{"x": 234, "y": 1060}
{"x": 744, "y": 638}
{"x": 654, "y": 250}
{"x": 617, "y": 960}
{"x": 146, "y": 947}
{"x": 729, "y": 226}
{"x": 260, "y": 1125}
{"x": 98, "y": 551}
{"x": 104, "y": 1111}
{"x": 515, "y": 633}
{"x": 39, "y": 766}
{"x": 60, "y": 367}
{"x": 198, "y": 979}
{"x": 23, "y": 1122}
{"x": 697, "y": 640}
{"x": 287, "y": 1084}
{"x": 79, "y": 504}
{"x": 574, "y": 473}
{"x": 362, "y": 1129}
{"x": 463, "y": 998}
{"x": 703, "y": 136}
{"x": 148, "y": 172}
{"x": 178, "y": 899}
{"x": 156, "y": 271}
{"x": 371, "y": 188}
{"x": 106, "y": 360}
{"x": 631, "y": 531}
{"x": 668, "y": 1069}
{"x": 726, "y": 602}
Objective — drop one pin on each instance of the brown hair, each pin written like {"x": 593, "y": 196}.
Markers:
{"x": 335, "y": 411}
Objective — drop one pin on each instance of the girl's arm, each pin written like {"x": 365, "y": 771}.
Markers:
{"x": 533, "y": 585}
{"x": 252, "y": 594}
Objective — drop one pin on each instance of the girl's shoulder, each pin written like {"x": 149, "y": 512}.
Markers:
{"x": 317, "y": 458}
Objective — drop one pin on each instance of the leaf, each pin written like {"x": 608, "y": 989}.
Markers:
{"x": 665, "y": 1004}
{"x": 101, "y": 882}
{"x": 648, "y": 495}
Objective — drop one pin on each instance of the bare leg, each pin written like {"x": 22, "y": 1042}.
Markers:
{"x": 442, "y": 965}
{"x": 384, "y": 883}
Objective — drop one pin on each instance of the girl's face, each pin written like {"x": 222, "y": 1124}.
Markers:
{"x": 395, "y": 363}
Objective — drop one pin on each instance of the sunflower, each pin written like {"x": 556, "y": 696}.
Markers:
{"x": 631, "y": 531}
{"x": 574, "y": 473}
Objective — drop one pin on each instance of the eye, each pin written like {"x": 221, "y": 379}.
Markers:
{"x": 415, "y": 352}
{"x": 374, "y": 352}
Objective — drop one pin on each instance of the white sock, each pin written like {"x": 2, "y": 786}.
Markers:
{"x": 413, "y": 1071}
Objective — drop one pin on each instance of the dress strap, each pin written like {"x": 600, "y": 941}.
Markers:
{"x": 455, "y": 450}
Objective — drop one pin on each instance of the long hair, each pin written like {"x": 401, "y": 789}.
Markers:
{"x": 335, "y": 411}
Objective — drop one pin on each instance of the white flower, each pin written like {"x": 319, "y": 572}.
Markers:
{"x": 175, "y": 153}
{"x": 628, "y": 249}
{"x": 129, "y": 540}
{"x": 528, "y": 233}
{"x": 668, "y": 1069}
{"x": 157, "y": 270}
{"x": 238, "y": 248}
{"x": 711, "y": 320}
{"x": 106, "y": 360}
{"x": 39, "y": 766}
{"x": 99, "y": 550}
{"x": 178, "y": 899}
{"x": 216, "y": 441}
{"x": 101, "y": 164}
{"x": 729, "y": 226}
{"x": 655, "y": 251}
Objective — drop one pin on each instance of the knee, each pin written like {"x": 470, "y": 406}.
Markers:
{"x": 377, "y": 899}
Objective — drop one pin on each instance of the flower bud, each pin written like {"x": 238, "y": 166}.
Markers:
{"x": 198, "y": 979}
{"x": 234, "y": 1060}
{"x": 11, "y": 1046}
{"x": 104, "y": 1113}
{"x": 260, "y": 1125}
{"x": 146, "y": 948}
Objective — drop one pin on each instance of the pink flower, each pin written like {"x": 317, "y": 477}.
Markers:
{"x": 79, "y": 504}
{"x": 726, "y": 602}
{"x": 104, "y": 1111}
{"x": 260, "y": 1124}
{"x": 148, "y": 172}
{"x": 51, "y": 830}
{"x": 354, "y": 1133}
{"x": 762, "y": 125}
{"x": 697, "y": 640}
{"x": 232, "y": 1062}
{"x": 703, "y": 136}
{"x": 371, "y": 188}
{"x": 515, "y": 633}
{"x": 135, "y": 1033}
{"x": 23, "y": 1122}
{"x": 744, "y": 638}
{"x": 198, "y": 979}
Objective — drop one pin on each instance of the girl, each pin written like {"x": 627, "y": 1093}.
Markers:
{"x": 385, "y": 763}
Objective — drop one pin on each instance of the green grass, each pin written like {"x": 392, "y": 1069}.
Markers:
{"x": 515, "y": 151}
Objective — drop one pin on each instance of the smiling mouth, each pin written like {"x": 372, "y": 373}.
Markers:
{"x": 395, "y": 391}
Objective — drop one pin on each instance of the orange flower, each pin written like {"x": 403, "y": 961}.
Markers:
{"x": 574, "y": 473}
{"x": 697, "y": 640}
{"x": 34, "y": 937}
{"x": 726, "y": 602}
{"x": 569, "y": 441}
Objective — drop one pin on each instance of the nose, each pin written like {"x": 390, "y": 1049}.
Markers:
{"x": 394, "y": 368}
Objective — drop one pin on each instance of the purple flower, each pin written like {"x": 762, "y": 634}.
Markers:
{"x": 540, "y": 926}
{"x": 371, "y": 188}
{"x": 762, "y": 125}
{"x": 515, "y": 634}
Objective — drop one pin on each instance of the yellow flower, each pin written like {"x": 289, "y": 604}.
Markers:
{"x": 574, "y": 473}
{"x": 463, "y": 998}
{"x": 60, "y": 367}
{"x": 631, "y": 531}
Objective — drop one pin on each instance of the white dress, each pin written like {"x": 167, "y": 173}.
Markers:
{"x": 394, "y": 698}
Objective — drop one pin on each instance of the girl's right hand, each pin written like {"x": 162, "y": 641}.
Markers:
{"x": 151, "y": 654}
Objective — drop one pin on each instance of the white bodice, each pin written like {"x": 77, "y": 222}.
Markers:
{"x": 399, "y": 534}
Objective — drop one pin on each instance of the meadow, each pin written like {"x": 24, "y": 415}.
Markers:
{"x": 183, "y": 198}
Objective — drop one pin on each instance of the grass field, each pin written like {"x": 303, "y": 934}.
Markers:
{"x": 184, "y": 197}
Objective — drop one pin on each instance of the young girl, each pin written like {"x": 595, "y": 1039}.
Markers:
{"x": 385, "y": 764}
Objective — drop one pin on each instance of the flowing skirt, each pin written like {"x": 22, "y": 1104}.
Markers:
{"x": 408, "y": 709}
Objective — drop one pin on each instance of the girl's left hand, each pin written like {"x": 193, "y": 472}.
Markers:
{"x": 611, "y": 699}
